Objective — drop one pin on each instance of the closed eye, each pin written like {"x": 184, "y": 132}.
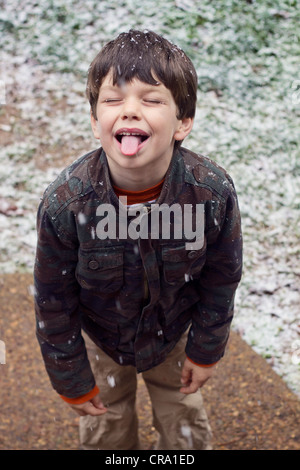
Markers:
{"x": 112, "y": 100}
{"x": 154, "y": 101}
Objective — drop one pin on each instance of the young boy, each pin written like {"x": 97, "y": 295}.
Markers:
{"x": 121, "y": 285}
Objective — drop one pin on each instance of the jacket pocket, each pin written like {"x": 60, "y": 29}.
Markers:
{"x": 101, "y": 269}
{"x": 181, "y": 265}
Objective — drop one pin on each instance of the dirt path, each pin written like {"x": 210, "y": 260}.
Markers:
{"x": 250, "y": 407}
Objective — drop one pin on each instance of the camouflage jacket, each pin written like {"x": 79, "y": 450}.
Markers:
{"x": 136, "y": 293}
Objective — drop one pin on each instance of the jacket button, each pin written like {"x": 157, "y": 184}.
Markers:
{"x": 93, "y": 264}
{"x": 192, "y": 254}
{"x": 184, "y": 302}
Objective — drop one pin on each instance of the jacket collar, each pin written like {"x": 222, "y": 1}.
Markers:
{"x": 99, "y": 176}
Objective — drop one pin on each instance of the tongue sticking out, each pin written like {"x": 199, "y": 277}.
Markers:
{"x": 129, "y": 144}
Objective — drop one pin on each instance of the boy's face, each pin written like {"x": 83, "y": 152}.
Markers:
{"x": 137, "y": 127}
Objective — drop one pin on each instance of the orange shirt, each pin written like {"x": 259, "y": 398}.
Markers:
{"x": 140, "y": 197}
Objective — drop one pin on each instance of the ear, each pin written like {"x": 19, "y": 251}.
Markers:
{"x": 94, "y": 124}
{"x": 184, "y": 128}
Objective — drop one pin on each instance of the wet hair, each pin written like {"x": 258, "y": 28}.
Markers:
{"x": 148, "y": 57}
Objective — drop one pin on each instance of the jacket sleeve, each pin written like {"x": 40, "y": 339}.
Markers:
{"x": 58, "y": 326}
{"x": 221, "y": 274}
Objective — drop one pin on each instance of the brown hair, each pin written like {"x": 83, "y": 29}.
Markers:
{"x": 142, "y": 54}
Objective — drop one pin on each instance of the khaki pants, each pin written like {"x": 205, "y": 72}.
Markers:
{"x": 180, "y": 419}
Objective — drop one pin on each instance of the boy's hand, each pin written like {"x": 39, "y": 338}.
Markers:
{"x": 93, "y": 407}
{"x": 194, "y": 376}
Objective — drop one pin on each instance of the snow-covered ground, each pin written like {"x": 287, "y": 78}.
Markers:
{"x": 247, "y": 58}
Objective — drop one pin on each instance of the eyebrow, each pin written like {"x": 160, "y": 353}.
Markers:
{"x": 108, "y": 87}
{"x": 148, "y": 87}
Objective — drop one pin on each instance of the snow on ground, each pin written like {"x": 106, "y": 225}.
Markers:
{"x": 247, "y": 58}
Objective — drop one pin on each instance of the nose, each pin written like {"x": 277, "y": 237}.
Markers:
{"x": 131, "y": 109}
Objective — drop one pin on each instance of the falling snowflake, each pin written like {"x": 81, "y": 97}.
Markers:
{"x": 111, "y": 381}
